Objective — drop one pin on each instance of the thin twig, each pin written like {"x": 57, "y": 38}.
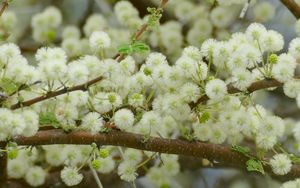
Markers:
{"x": 95, "y": 175}
{"x": 4, "y": 6}
{"x": 292, "y": 6}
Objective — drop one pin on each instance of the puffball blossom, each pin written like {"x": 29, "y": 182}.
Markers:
{"x": 35, "y": 176}
{"x": 70, "y": 176}
{"x": 281, "y": 164}
{"x": 99, "y": 40}
{"x": 124, "y": 119}
{"x": 216, "y": 89}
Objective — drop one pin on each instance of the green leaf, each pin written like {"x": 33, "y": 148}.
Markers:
{"x": 125, "y": 49}
{"x": 255, "y": 165}
{"x": 204, "y": 117}
{"x": 48, "y": 118}
{"x": 295, "y": 159}
{"x": 9, "y": 86}
{"x": 104, "y": 130}
{"x": 140, "y": 47}
{"x": 240, "y": 149}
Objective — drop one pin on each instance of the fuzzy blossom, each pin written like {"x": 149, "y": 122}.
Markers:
{"x": 35, "y": 176}
{"x": 284, "y": 69}
{"x": 190, "y": 92}
{"x": 45, "y": 24}
{"x": 99, "y": 40}
{"x": 71, "y": 31}
{"x": 263, "y": 11}
{"x": 294, "y": 183}
{"x": 216, "y": 89}
{"x": 124, "y": 119}
{"x": 291, "y": 88}
{"x": 242, "y": 79}
{"x": 127, "y": 171}
{"x": 281, "y": 164}
{"x": 70, "y": 176}
{"x": 294, "y": 48}
{"x": 92, "y": 122}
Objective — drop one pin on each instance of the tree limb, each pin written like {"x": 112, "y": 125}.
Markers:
{"x": 213, "y": 152}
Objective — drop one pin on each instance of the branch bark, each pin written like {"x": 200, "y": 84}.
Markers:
{"x": 292, "y": 6}
{"x": 258, "y": 85}
{"x": 4, "y": 6}
{"x": 52, "y": 94}
{"x": 218, "y": 153}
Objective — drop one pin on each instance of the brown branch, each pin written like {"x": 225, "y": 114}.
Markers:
{"x": 82, "y": 87}
{"x": 258, "y": 85}
{"x": 292, "y": 6}
{"x": 209, "y": 151}
{"x": 4, "y": 6}
{"x": 3, "y": 163}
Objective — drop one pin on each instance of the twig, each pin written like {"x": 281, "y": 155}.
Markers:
{"x": 95, "y": 175}
{"x": 292, "y": 6}
{"x": 4, "y": 6}
{"x": 52, "y": 94}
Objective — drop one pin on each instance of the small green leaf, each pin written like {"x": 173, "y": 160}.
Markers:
{"x": 125, "y": 49}
{"x": 140, "y": 47}
{"x": 295, "y": 159}
{"x": 204, "y": 117}
{"x": 240, "y": 149}
{"x": 8, "y": 86}
{"x": 255, "y": 165}
{"x": 48, "y": 118}
{"x": 104, "y": 130}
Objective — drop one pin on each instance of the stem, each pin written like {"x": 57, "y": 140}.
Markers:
{"x": 96, "y": 176}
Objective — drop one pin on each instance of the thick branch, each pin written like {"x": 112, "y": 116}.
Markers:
{"x": 209, "y": 151}
{"x": 292, "y": 6}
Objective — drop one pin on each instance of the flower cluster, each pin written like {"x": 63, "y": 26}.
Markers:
{"x": 45, "y": 25}
{"x": 197, "y": 91}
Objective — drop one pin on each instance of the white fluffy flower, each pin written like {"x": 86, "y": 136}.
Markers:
{"x": 294, "y": 48}
{"x": 107, "y": 165}
{"x": 242, "y": 79}
{"x": 127, "y": 171}
{"x": 281, "y": 164}
{"x": 124, "y": 119}
{"x": 35, "y": 176}
{"x": 190, "y": 92}
{"x": 263, "y": 11}
{"x": 16, "y": 168}
{"x": 70, "y": 176}
{"x": 291, "y": 88}
{"x": 256, "y": 32}
{"x": 265, "y": 141}
{"x": 272, "y": 41}
{"x": 92, "y": 122}
{"x": 216, "y": 89}
{"x": 77, "y": 73}
{"x": 99, "y": 40}
{"x": 294, "y": 183}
